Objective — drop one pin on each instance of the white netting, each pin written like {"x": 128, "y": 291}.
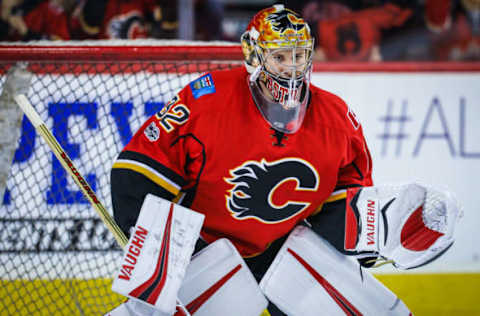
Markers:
{"x": 56, "y": 256}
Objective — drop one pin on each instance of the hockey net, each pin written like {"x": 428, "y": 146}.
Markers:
{"x": 56, "y": 255}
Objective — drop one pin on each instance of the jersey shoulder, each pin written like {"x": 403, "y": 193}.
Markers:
{"x": 217, "y": 84}
{"x": 215, "y": 91}
{"x": 334, "y": 111}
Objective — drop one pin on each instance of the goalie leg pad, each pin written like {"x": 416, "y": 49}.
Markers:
{"x": 158, "y": 252}
{"x": 410, "y": 224}
{"x": 218, "y": 282}
{"x": 135, "y": 308}
{"x": 309, "y": 276}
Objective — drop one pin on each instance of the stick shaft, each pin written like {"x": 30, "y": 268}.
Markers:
{"x": 71, "y": 169}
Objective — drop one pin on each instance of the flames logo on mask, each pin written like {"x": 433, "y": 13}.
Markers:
{"x": 257, "y": 187}
{"x": 285, "y": 20}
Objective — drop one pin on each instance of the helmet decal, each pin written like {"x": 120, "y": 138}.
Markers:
{"x": 285, "y": 20}
{"x": 278, "y": 26}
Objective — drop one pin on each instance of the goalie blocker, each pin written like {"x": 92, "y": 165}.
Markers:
{"x": 410, "y": 224}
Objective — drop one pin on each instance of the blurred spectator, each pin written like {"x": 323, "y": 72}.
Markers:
{"x": 131, "y": 19}
{"x": 208, "y": 20}
{"x": 300, "y": 6}
{"x": 32, "y": 20}
{"x": 10, "y": 23}
{"x": 112, "y": 19}
{"x": 346, "y": 35}
{"x": 455, "y": 29}
{"x": 345, "y": 30}
{"x": 410, "y": 41}
{"x": 165, "y": 20}
{"x": 208, "y": 16}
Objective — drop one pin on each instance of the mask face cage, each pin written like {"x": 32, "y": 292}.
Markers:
{"x": 285, "y": 71}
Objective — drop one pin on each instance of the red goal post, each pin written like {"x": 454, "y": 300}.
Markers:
{"x": 56, "y": 257}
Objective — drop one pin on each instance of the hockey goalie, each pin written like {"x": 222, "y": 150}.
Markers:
{"x": 250, "y": 193}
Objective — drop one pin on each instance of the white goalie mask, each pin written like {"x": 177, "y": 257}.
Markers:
{"x": 278, "y": 50}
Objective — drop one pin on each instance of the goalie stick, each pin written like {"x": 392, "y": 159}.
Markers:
{"x": 68, "y": 165}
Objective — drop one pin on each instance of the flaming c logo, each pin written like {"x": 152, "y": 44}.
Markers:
{"x": 271, "y": 192}
{"x": 284, "y": 20}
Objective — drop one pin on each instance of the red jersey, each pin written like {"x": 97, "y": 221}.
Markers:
{"x": 352, "y": 37}
{"x": 212, "y": 149}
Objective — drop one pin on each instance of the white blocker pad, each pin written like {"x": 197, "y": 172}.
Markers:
{"x": 158, "y": 252}
{"x": 218, "y": 282}
{"x": 310, "y": 277}
{"x": 409, "y": 224}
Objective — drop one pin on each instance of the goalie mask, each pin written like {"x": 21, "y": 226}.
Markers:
{"x": 278, "y": 50}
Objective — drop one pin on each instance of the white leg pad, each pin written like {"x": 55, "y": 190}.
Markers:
{"x": 218, "y": 282}
{"x": 309, "y": 276}
{"x": 135, "y": 308}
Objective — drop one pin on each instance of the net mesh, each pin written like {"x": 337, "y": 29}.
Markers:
{"x": 56, "y": 256}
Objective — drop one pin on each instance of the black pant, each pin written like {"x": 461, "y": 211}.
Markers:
{"x": 274, "y": 311}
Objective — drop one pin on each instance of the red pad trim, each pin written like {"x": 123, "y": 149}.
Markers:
{"x": 415, "y": 235}
{"x": 180, "y": 312}
{"x": 150, "y": 290}
{"x": 194, "y": 305}
{"x": 342, "y": 302}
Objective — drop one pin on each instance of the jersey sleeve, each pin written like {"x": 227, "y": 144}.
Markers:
{"x": 356, "y": 171}
{"x": 163, "y": 158}
{"x": 357, "y": 168}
